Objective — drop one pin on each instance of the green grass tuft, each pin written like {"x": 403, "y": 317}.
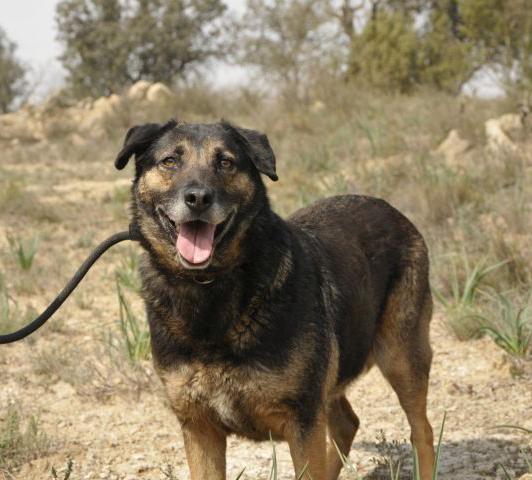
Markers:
{"x": 511, "y": 327}
{"x": 24, "y": 251}
{"x": 460, "y": 299}
{"x": 135, "y": 336}
{"x": 127, "y": 274}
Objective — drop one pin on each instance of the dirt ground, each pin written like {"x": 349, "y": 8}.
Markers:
{"x": 112, "y": 421}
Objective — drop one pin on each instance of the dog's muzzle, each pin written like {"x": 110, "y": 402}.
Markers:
{"x": 195, "y": 240}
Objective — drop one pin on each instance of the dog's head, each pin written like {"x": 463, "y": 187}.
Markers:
{"x": 197, "y": 187}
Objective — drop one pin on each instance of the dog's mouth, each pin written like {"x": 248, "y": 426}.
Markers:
{"x": 195, "y": 240}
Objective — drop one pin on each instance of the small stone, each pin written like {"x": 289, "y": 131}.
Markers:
{"x": 453, "y": 148}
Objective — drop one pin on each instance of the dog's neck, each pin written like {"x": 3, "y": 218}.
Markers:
{"x": 208, "y": 312}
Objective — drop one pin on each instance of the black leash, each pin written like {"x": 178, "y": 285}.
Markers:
{"x": 131, "y": 234}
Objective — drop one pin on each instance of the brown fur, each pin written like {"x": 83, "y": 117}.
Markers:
{"x": 265, "y": 340}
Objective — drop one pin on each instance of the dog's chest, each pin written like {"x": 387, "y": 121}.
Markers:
{"x": 237, "y": 398}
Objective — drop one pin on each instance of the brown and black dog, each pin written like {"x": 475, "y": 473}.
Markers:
{"x": 258, "y": 324}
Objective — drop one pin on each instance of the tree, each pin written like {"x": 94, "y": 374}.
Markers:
{"x": 395, "y": 45}
{"x": 12, "y": 74}
{"x": 501, "y": 32}
{"x": 96, "y": 45}
{"x": 282, "y": 38}
{"x": 385, "y": 54}
{"x": 169, "y": 36}
{"x": 109, "y": 44}
{"x": 446, "y": 58}
{"x": 404, "y": 44}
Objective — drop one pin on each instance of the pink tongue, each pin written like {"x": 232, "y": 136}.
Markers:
{"x": 195, "y": 240}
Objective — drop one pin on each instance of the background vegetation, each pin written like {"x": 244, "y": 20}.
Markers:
{"x": 392, "y": 45}
{"x": 12, "y": 73}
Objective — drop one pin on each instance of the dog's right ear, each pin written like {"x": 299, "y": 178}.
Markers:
{"x": 138, "y": 139}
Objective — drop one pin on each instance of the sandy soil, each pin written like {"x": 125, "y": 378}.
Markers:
{"x": 128, "y": 436}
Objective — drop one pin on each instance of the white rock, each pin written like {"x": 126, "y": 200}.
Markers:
{"x": 499, "y": 132}
{"x": 159, "y": 93}
{"x": 137, "y": 91}
{"x": 453, "y": 147}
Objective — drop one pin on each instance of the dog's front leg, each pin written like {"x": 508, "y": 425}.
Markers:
{"x": 308, "y": 448}
{"x": 205, "y": 447}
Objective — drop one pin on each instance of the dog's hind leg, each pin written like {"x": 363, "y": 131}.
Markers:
{"x": 342, "y": 424}
{"x": 403, "y": 354}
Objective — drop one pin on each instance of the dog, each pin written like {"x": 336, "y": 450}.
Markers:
{"x": 258, "y": 324}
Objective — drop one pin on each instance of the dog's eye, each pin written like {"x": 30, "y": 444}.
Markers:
{"x": 169, "y": 162}
{"x": 226, "y": 163}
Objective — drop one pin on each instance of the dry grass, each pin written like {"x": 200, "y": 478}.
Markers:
{"x": 21, "y": 438}
{"x": 474, "y": 214}
{"x": 346, "y": 140}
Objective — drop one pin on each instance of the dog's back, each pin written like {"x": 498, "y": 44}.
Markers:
{"x": 369, "y": 250}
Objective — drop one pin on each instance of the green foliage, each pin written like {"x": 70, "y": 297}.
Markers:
{"x": 12, "y": 73}
{"x": 127, "y": 274}
{"x": 385, "y": 54}
{"x": 24, "y": 251}
{"x": 446, "y": 60}
{"x": 460, "y": 299}
{"x": 135, "y": 336}
{"x": 281, "y": 38}
{"x": 438, "y": 449}
{"x": 510, "y": 326}
{"x": 501, "y": 33}
{"x": 110, "y": 44}
{"x": 95, "y": 45}
{"x": 393, "y": 53}
{"x": 395, "y": 45}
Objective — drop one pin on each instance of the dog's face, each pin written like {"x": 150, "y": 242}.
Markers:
{"x": 197, "y": 187}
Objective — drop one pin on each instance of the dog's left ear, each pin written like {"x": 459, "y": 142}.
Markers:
{"x": 138, "y": 139}
{"x": 259, "y": 147}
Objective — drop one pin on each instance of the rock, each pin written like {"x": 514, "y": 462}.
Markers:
{"x": 115, "y": 101}
{"x": 102, "y": 105}
{"x": 317, "y": 107}
{"x": 159, "y": 93}
{"x": 499, "y": 132}
{"x": 511, "y": 123}
{"x": 92, "y": 122}
{"x": 526, "y": 476}
{"x": 453, "y": 148}
{"x": 86, "y": 120}
{"x": 137, "y": 92}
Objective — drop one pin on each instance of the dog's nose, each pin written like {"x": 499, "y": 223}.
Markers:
{"x": 198, "y": 199}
